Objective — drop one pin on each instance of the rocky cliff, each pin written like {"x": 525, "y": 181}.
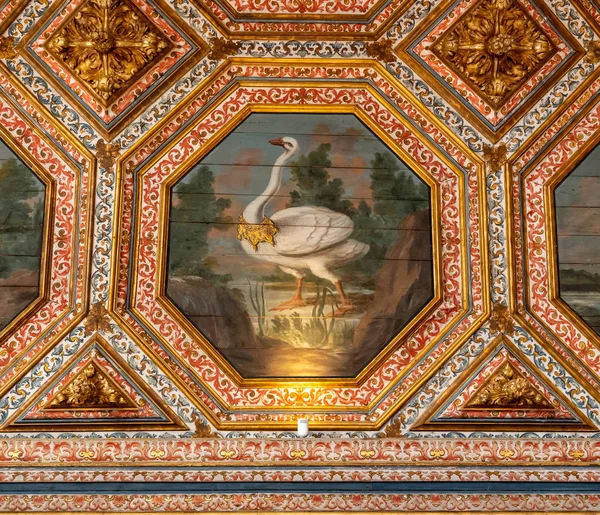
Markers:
{"x": 214, "y": 310}
{"x": 404, "y": 284}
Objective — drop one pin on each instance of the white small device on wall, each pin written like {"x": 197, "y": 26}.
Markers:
{"x": 302, "y": 427}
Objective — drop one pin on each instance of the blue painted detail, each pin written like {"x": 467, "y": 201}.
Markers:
{"x": 442, "y": 487}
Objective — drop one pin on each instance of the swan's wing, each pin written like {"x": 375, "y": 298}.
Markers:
{"x": 309, "y": 229}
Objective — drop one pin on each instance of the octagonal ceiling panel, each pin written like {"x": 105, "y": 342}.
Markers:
{"x": 146, "y": 301}
{"x": 550, "y": 253}
{"x": 112, "y": 57}
{"x": 65, "y": 244}
{"x": 22, "y": 207}
{"x": 300, "y": 246}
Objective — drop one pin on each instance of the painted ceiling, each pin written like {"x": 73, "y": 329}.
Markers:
{"x": 108, "y": 107}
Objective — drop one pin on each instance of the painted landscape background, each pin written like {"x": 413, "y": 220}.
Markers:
{"x": 21, "y": 226}
{"x": 578, "y": 228}
{"x": 229, "y": 294}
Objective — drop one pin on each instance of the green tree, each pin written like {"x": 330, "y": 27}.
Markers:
{"x": 315, "y": 187}
{"x": 195, "y": 213}
{"x": 21, "y": 218}
{"x": 395, "y": 193}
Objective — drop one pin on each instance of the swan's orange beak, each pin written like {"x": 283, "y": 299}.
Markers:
{"x": 278, "y": 141}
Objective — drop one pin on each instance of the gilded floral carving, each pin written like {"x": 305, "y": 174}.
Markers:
{"x": 501, "y": 321}
{"x": 97, "y": 319}
{"x": 7, "y": 47}
{"x": 495, "y": 47}
{"x": 90, "y": 389}
{"x": 593, "y": 52}
{"x": 507, "y": 389}
{"x": 106, "y": 43}
{"x": 201, "y": 428}
{"x": 221, "y": 48}
{"x": 495, "y": 157}
{"x": 381, "y": 50}
{"x": 107, "y": 153}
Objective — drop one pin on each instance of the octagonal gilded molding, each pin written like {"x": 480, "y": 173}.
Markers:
{"x": 70, "y": 183}
{"x": 48, "y": 214}
{"x": 535, "y": 172}
{"x": 347, "y": 401}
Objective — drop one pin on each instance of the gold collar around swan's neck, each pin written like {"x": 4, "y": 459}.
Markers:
{"x": 263, "y": 232}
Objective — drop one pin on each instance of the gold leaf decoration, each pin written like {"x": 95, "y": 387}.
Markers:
{"x": 107, "y": 154}
{"x": 381, "y": 50}
{"x": 106, "y": 43}
{"x": 393, "y": 429}
{"x": 507, "y": 389}
{"x": 221, "y": 48}
{"x": 201, "y": 428}
{"x": 97, "y": 319}
{"x": 495, "y": 157}
{"x": 91, "y": 389}
{"x": 495, "y": 47}
{"x": 593, "y": 52}
{"x": 7, "y": 47}
{"x": 501, "y": 321}
{"x": 255, "y": 234}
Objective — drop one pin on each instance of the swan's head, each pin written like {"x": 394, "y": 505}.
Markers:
{"x": 289, "y": 144}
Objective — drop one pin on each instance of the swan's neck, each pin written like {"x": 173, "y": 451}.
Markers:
{"x": 255, "y": 211}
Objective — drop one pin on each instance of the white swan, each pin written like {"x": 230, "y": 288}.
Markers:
{"x": 303, "y": 238}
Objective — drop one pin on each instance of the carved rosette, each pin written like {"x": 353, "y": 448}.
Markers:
{"x": 495, "y": 47}
{"x": 107, "y": 43}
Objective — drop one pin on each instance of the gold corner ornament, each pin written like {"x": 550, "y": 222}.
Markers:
{"x": 501, "y": 320}
{"x": 495, "y": 47}
{"x": 255, "y": 234}
{"x": 7, "y": 47}
{"x": 107, "y": 153}
{"x": 201, "y": 428}
{"x": 507, "y": 389}
{"x": 91, "y": 389}
{"x": 593, "y": 52}
{"x": 495, "y": 156}
{"x": 106, "y": 43}
{"x": 97, "y": 320}
{"x": 222, "y": 48}
{"x": 381, "y": 50}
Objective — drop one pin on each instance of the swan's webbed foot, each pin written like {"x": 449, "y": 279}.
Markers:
{"x": 341, "y": 309}
{"x": 291, "y": 304}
